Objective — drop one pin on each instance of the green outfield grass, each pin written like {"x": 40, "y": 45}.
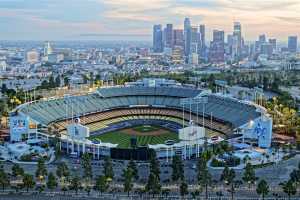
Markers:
{"x": 146, "y": 128}
{"x": 123, "y": 138}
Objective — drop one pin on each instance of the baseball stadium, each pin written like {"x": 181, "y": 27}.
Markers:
{"x": 133, "y": 119}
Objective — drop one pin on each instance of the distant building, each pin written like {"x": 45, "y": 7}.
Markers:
{"x": 169, "y": 36}
{"x": 32, "y": 56}
{"x": 194, "y": 59}
{"x": 157, "y": 38}
{"x": 187, "y": 36}
{"x": 266, "y": 49}
{"x": 236, "y": 42}
{"x": 195, "y": 38}
{"x": 262, "y": 38}
{"x": 292, "y": 44}
{"x": 55, "y": 57}
{"x": 273, "y": 42}
{"x": 47, "y": 48}
{"x": 216, "y": 50}
{"x": 178, "y": 38}
{"x": 202, "y": 38}
{"x": 177, "y": 54}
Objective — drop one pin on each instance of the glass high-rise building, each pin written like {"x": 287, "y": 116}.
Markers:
{"x": 157, "y": 38}
{"x": 237, "y": 41}
{"x": 202, "y": 37}
{"x": 169, "y": 36}
{"x": 178, "y": 38}
{"x": 292, "y": 44}
{"x": 187, "y": 36}
{"x": 217, "y": 50}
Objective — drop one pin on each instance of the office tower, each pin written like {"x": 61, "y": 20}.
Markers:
{"x": 157, "y": 38}
{"x": 178, "y": 38}
{"x": 47, "y": 48}
{"x": 169, "y": 36}
{"x": 262, "y": 38}
{"x": 187, "y": 36}
{"x": 32, "y": 56}
{"x": 292, "y": 44}
{"x": 216, "y": 51}
{"x": 237, "y": 41}
{"x": 273, "y": 42}
{"x": 194, "y": 59}
{"x": 266, "y": 49}
{"x": 202, "y": 40}
{"x": 177, "y": 55}
{"x": 195, "y": 38}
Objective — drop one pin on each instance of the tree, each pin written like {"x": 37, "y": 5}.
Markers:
{"x": 289, "y": 188}
{"x": 228, "y": 176}
{"x": 52, "y": 182}
{"x": 62, "y": 170}
{"x": 153, "y": 185}
{"x": 204, "y": 177}
{"x": 75, "y": 184}
{"x": 57, "y": 81}
{"x": 101, "y": 184}
{"x": 177, "y": 168}
{"x": 154, "y": 166}
{"x": 3, "y": 88}
{"x": 40, "y": 188}
{"x": 66, "y": 81}
{"x": 87, "y": 165}
{"x": 4, "y": 180}
{"x": 295, "y": 176}
{"x": 133, "y": 166}
{"x": 249, "y": 175}
{"x": 41, "y": 171}
{"x": 28, "y": 181}
{"x": 108, "y": 168}
{"x": 262, "y": 189}
{"x": 51, "y": 82}
{"x": 183, "y": 188}
{"x": 128, "y": 175}
{"x": 88, "y": 189}
{"x": 17, "y": 170}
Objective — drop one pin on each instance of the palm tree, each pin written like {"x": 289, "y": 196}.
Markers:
{"x": 101, "y": 184}
{"x": 4, "y": 179}
{"x": 28, "y": 181}
{"x": 52, "y": 182}
{"x": 249, "y": 175}
{"x": 289, "y": 188}
{"x": 75, "y": 184}
{"x": 262, "y": 189}
{"x": 183, "y": 188}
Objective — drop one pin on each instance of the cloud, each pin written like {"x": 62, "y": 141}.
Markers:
{"x": 60, "y": 18}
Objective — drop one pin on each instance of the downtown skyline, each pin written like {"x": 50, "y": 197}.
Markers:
{"x": 131, "y": 20}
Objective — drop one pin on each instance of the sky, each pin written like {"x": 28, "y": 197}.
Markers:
{"x": 133, "y": 19}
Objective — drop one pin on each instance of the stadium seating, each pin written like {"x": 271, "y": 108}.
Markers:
{"x": 121, "y": 102}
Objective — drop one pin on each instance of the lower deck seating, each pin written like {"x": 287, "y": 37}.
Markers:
{"x": 101, "y": 120}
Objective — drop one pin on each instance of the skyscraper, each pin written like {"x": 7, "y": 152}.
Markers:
{"x": 195, "y": 38}
{"x": 178, "y": 38}
{"x": 262, "y": 38}
{"x": 237, "y": 41}
{"x": 216, "y": 51}
{"x": 157, "y": 38}
{"x": 202, "y": 37}
{"x": 187, "y": 36}
{"x": 292, "y": 44}
{"x": 47, "y": 49}
{"x": 169, "y": 36}
{"x": 273, "y": 42}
